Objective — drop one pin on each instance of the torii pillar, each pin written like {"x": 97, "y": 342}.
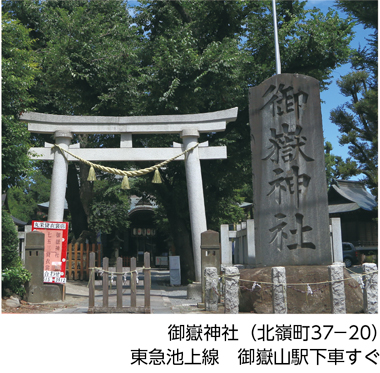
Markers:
{"x": 59, "y": 177}
{"x": 187, "y": 126}
{"x": 195, "y": 195}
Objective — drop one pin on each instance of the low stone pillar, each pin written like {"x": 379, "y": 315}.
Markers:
{"x": 370, "y": 292}
{"x": 211, "y": 288}
{"x": 34, "y": 263}
{"x": 226, "y": 252}
{"x": 231, "y": 292}
{"x": 337, "y": 295}
{"x": 279, "y": 298}
{"x": 337, "y": 246}
{"x": 251, "y": 251}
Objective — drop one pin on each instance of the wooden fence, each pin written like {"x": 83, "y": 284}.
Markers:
{"x": 77, "y": 262}
{"x": 119, "y": 308}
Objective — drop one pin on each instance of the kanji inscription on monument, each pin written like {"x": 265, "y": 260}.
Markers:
{"x": 289, "y": 181}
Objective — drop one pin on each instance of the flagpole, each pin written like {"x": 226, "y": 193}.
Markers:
{"x": 276, "y": 45}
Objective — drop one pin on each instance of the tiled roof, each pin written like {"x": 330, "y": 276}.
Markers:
{"x": 354, "y": 194}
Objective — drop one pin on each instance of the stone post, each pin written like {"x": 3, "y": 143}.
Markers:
{"x": 34, "y": 263}
{"x": 337, "y": 246}
{"x": 211, "y": 289}
{"x": 59, "y": 178}
{"x": 337, "y": 295}
{"x": 226, "y": 250}
{"x": 195, "y": 196}
{"x": 279, "y": 297}
{"x": 251, "y": 252}
{"x": 371, "y": 288}
{"x": 231, "y": 294}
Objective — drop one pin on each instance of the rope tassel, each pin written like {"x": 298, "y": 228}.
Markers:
{"x": 157, "y": 177}
{"x": 125, "y": 183}
{"x": 91, "y": 174}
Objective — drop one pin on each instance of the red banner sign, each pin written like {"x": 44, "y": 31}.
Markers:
{"x": 56, "y": 236}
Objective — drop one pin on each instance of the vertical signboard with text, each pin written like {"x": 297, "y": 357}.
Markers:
{"x": 288, "y": 167}
{"x": 56, "y": 235}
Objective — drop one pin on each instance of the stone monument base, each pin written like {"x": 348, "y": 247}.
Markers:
{"x": 52, "y": 292}
{"x": 194, "y": 291}
{"x": 300, "y": 299}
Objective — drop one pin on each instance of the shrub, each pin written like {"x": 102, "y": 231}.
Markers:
{"x": 13, "y": 275}
{"x": 9, "y": 240}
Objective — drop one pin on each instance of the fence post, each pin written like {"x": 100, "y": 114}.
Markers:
{"x": 371, "y": 288}
{"x": 231, "y": 293}
{"x": 69, "y": 261}
{"x": 91, "y": 290}
{"x": 81, "y": 275}
{"x": 147, "y": 279}
{"x": 99, "y": 249}
{"x": 119, "y": 283}
{"x": 105, "y": 282}
{"x": 337, "y": 295}
{"x": 133, "y": 282}
{"x": 279, "y": 297}
{"x": 86, "y": 264}
{"x": 211, "y": 288}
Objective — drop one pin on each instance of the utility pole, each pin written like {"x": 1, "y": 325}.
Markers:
{"x": 277, "y": 48}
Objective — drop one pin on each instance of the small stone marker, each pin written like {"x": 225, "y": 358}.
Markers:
{"x": 34, "y": 263}
{"x": 289, "y": 181}
{"x": 370, "y": 294}
{"x": 211, "y": 289}
{"x": 338, "y": 297}
{"x": 231, "y": 295}
{"x": 279, "y": 297}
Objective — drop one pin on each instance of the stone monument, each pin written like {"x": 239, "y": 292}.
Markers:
{"x": 289, "y": 181}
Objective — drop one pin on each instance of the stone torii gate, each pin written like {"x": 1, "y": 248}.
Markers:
{"x": 187, "y": 126}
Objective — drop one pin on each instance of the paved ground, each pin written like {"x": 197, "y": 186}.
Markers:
{"x": 165, "y": 299}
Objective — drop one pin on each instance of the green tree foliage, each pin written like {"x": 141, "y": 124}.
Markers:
{"x": 19, "y": 68}
{"x": 9, "y": 239}
{"x": 357, "y": 120}
{"x": 88, "y": 59}
{"x": 173, "y": 57}
{"x": 109, "y": 208}
{"x": 336, "y": 167}
{"x": 203, "y": 56}
{"x": 23, "y": 200}
{"x": 311, "y": 43}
